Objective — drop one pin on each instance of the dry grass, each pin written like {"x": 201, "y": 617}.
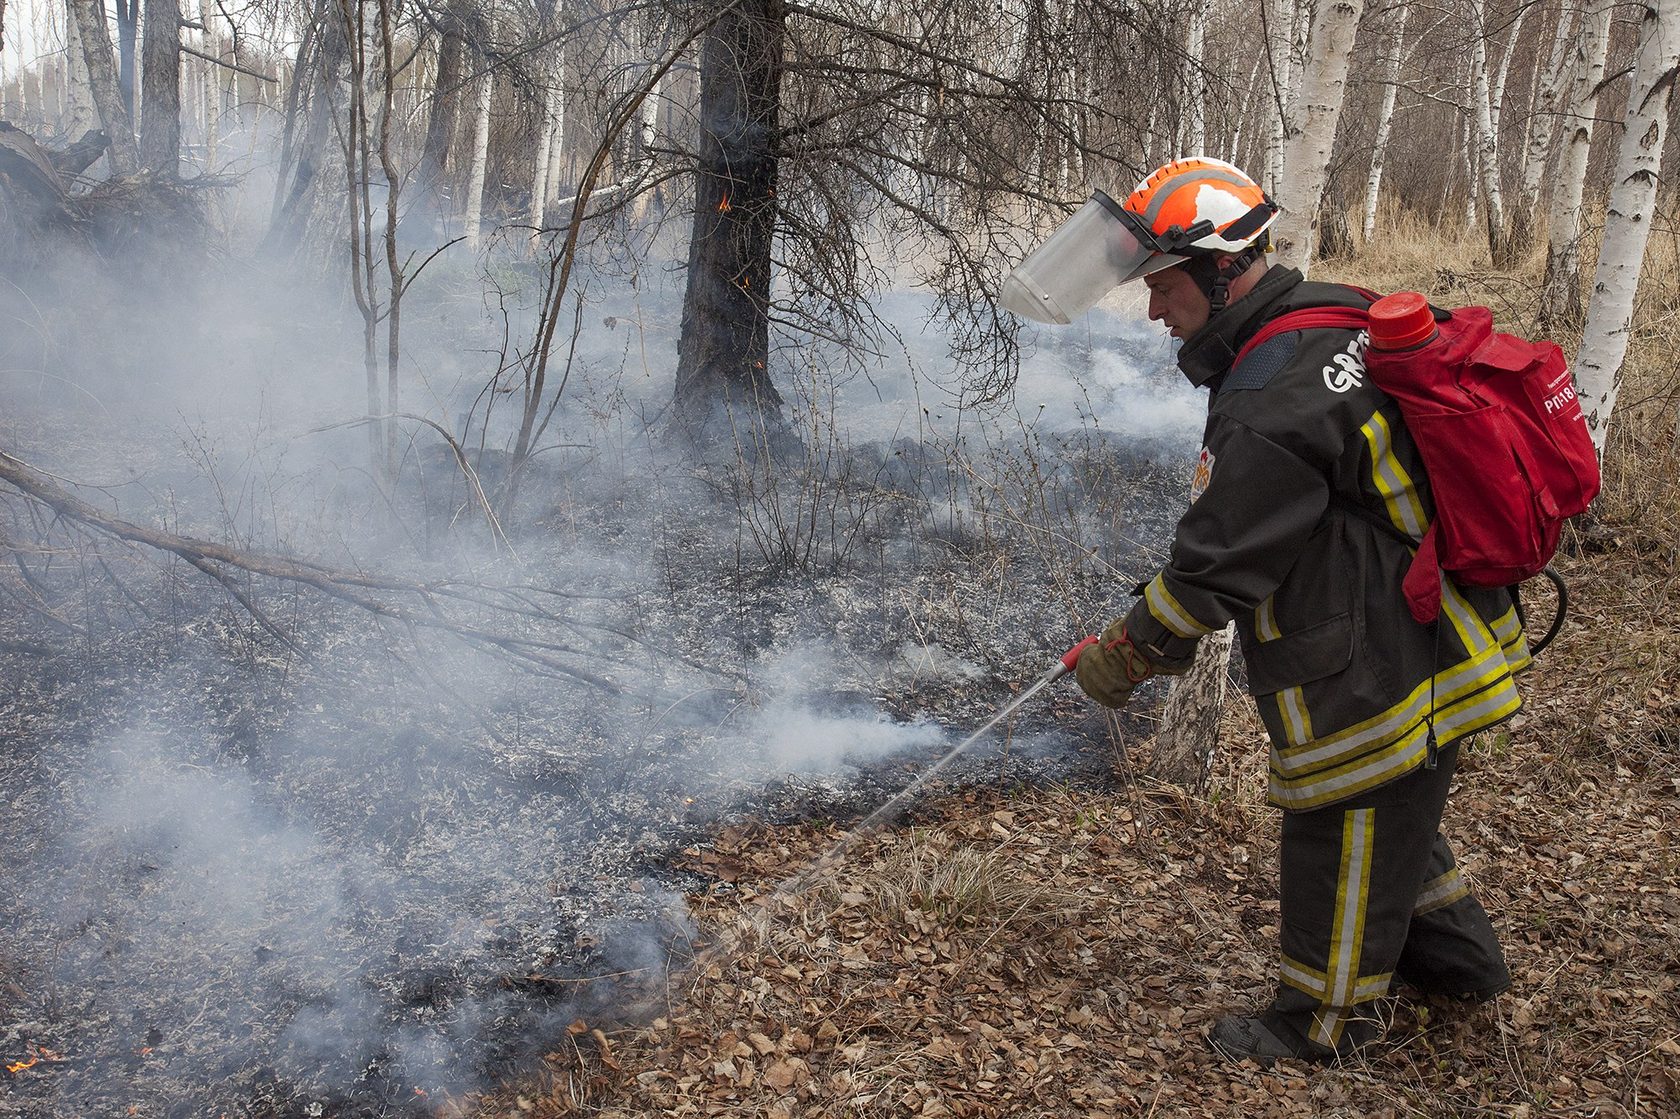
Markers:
{"x": 1048, "y": 953}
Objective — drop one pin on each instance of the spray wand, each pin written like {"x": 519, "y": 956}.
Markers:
{"x": 872, "y": 823}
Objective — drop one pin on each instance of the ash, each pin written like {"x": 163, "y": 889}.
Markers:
{"x": 376, "y": 870}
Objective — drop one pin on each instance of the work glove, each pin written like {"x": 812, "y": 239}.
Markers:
{"x": 1111, "y": 667}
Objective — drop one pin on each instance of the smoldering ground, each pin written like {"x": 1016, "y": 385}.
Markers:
{"x": 371, "y": 868}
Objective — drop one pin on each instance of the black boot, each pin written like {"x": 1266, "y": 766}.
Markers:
{"x": 1264, "y": 1039}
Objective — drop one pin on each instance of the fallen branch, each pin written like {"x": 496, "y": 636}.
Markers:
{"x": 354, "y": 587}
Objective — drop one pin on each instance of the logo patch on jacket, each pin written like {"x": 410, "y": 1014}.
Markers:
{"x": 1347, "y": 369}
{"x": 1204, "y": 474}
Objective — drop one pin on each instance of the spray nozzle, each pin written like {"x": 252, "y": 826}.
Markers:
{"x": 1070, "y": 659}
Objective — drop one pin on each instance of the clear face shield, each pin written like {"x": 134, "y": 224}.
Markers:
{"x": 1090, "y": 254}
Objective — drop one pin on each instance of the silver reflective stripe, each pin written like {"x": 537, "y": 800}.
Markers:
{"x": 1440, "y": 892}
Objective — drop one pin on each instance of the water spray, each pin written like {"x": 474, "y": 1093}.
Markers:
{"x": 876, "y": 820}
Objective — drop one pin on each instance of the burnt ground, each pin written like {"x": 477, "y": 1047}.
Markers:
{"x": 1062, "y": 950}
{"x": 379, "y": 867}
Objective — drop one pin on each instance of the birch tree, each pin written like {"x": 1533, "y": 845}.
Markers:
{"x": 80, "y": 112}
{"x": 1627, "y": 224}
{"x": 1560, "y": 297}
{"x": 1540, "y": 141}
{"x": 1312, "y": 136}
{"x": 1196, "y": 72}
{"x": 101, "y": 63}
{"x": 1385, "y": 120}
{"x": 1485, "y": 132}
{"x": 483, "y": 93}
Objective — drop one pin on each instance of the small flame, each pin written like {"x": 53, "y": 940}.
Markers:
{"x": 723, "y": 204}
{"x": 18, "y": 1066}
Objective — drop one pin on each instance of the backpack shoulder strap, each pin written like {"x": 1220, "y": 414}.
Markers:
{"x": 1308, "y": 318}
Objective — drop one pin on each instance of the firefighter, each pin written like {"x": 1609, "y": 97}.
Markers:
{"x": 1305, "y": 492}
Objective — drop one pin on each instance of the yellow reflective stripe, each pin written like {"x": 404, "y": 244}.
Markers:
{"x": 1477, "y": 712}
{"x": 1309, "y": 980}
{"x": 1265, "y": 621}
{"x": 1297, "y": 724}
{"x": 1440, "y": 892}
{"x": 1398, "y": 490}
{"x": 1303, "y": 977}
{"x": 1464, "y": 678}
{"x": 1508, "y": 631}
{"x": 1372, "y": 987}
{"x": 1472, "y": 631}
{"x": 1166, "y": 610}
{"x": 1347, "y": 936}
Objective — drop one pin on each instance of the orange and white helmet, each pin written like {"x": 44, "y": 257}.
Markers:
{"x": 1195, "y": 206}
{"x": 1189, "y": 209}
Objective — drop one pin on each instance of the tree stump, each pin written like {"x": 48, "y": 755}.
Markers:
{"x": 1189, "y": 731}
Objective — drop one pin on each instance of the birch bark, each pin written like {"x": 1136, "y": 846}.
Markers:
{"x": 1627, "y": 224}
{"x": 80, "y": 113}
{"x": 1486, "y": 138}
{"x": 1385, "y": 121}
{"x": 1560, "y": 295}
{"x": 547, "y": 123}
{"x": 1196, "y": 128}
{"x": 482, "y": 96}
{"x": 101, "y": 62}
{"x": 1313, "y": 118}
{"x": 1542, "y": 134}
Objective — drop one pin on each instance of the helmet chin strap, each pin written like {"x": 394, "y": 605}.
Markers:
{"x": 1215, "y": 282}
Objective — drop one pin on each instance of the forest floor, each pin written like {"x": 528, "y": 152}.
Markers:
{"x": 1053, "y": 952}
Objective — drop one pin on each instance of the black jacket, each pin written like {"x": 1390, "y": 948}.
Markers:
{"x": 1349, "y": 686}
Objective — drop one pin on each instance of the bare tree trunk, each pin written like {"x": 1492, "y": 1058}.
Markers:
{"x": 1627, "y": 224}
{"x": 1542, "y": 133}
{"x": 1314, "y": 115}
{"x": 483, "y": 93}
{"x": 1196, "y": 94}
{"x": 128, "y": 21}
{"x": 1385, "y": 121}
{"x": 1486, "y": 137}
{"x": 1560, "y": 294}
{"x": 1189, "y": 730}
{"x": 548, "y": 123}
{"x": 102, "y": 80}
{"x": 724, "y": 349}
{"x": 210, "y": 92}
{"x": 160, "y": 94}
{"x": 80, "y": 112}
{"x": 444, "y": 118}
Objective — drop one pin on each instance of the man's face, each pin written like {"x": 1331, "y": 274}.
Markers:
{"x": 1174, "y": 299}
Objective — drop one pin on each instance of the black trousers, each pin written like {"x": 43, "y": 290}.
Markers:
{"x": 1369, "y": 893}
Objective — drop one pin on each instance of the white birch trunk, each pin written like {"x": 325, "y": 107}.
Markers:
{"x": 482, "y": 96}
{"x": 1196, "y": 131}
{"x": 1627, "y": 223}
{"x": 545, "y": 143}
{"x": 1385, "y": 121}
{"x": 100, "y": 59}
{"x": 1314, "y": 115}
{"x": 1542, "y": 130}
{"x": 210, "y": 92}
{"x": 1486, "y": 138}
{"x": 1561, "y": 292}
{"x": 1290, "y": 18}
{"x": 79, "y": 112}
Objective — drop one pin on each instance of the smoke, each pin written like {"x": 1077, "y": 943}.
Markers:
{"x": 261, "y": 879}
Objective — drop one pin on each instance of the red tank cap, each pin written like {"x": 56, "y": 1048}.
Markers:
{"x": 1400, "y": 321}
